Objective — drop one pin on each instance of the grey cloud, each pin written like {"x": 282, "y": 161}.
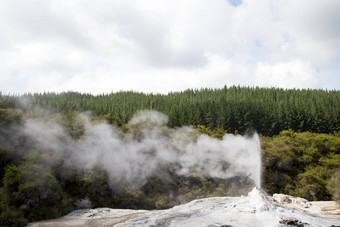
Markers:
{"x": 42, "y": 21}
{"x": 313, "y": 27}
{"x": 153, "y": 37}
{"x": 320, "y": 18}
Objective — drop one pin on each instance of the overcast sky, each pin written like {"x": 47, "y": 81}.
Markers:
{"x": 101, "y": 46}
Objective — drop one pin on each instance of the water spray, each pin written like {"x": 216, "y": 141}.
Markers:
{"x": 258, "y": 156}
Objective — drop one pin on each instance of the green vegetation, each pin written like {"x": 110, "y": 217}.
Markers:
{"x": 299, "y": 136}
{"x": 301, "y": 164}
{"x": 234, "y": 109}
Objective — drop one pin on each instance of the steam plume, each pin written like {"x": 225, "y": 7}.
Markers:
{"x": 129, "y": 158}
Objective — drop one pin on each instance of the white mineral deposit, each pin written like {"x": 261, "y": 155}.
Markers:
{"x": 257, "y": 209}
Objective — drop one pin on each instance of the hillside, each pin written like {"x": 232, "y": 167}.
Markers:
{"x": 233, "y": 109}
{"x": 56, "y": 158}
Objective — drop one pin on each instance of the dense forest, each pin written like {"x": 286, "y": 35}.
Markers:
{"x": 299, "y": 133}
{"x": 234, "y": 109}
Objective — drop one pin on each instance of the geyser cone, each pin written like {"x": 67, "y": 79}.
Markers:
{"x": 258, "y": 198}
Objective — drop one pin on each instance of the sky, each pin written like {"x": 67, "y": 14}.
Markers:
{"x": 103, "y": 46}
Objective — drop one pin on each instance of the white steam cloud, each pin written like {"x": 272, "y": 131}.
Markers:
{"x": 148, "y": 146}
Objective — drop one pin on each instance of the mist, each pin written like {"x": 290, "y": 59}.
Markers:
{"x": 147, "y": 149}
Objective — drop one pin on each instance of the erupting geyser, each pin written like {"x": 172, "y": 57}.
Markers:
{"x": 257, "y": 175}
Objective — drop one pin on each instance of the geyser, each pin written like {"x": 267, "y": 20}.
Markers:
{"x": 130, "y": 158}
{"x": 258, "y": 157}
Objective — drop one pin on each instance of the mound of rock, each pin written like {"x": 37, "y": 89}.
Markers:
{"x": 295, "y": 202}
{"x": 257, "y": 209}
{"x": 288, "y": 199}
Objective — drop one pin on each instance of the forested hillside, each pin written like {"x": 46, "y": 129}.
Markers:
{"x": 234, "y": 109}
{"x": 299, "y": 130}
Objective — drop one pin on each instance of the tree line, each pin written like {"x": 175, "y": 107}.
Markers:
{"x": 235, "y": 109}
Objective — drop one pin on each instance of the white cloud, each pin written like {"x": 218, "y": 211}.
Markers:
{"x": 167, "y": 45}
{"x": 292, "y": 74}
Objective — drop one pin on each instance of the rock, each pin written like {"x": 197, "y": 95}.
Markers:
{"x": 291, "y": 222}
{"x": 257, "y": 209}
{"x": 283, "y": 199}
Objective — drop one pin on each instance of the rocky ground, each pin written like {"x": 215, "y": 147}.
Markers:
{"x": 257, "y": 209}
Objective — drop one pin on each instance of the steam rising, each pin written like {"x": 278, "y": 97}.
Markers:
{"x": 148, "y": 147}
